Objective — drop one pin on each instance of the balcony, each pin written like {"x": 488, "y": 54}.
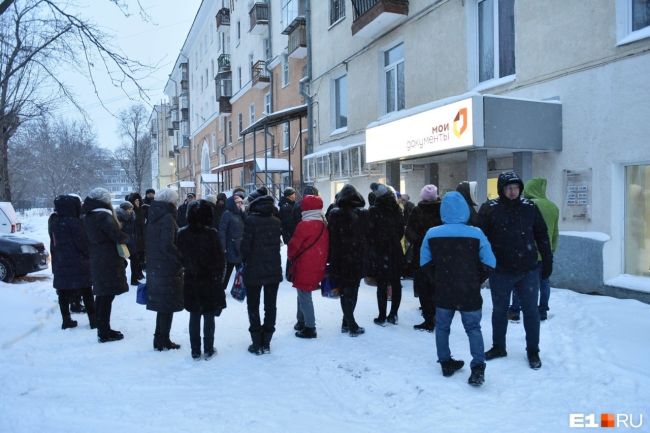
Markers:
{"x": 259, "y": 15}
{"x": 223, "y": 17}
{"x": 223, "y": 63}
{"x": 186, "y": 141}
{"x": 372, "y": 17}
{"x": 223, "y": 84}
{"x": 297, "y": 47}
{"x": 261, "y": 77}
{"x": 293, "y": 13}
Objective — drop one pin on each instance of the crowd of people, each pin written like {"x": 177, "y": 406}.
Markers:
{"x": 189, "y": 254}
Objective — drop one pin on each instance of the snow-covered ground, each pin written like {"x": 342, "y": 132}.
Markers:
{"x": 595, "y": 351}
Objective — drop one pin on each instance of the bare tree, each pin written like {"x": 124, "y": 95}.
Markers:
{"x": 37, "y": 37}
{"x": 134, "y": 155}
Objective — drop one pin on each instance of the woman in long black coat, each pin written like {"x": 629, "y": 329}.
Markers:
{"x": 138, "y": 254}
{"x": 385, "y": 231}
{"x": 70, "y": 258}
{"x": 231, "y": 231}
{"x": 203, "y": 260}
{"x": 347, "y": 224}
{"x": 164, "y": 269}
{"x": 260, "y": 250}
{"x": 106, "y": 265}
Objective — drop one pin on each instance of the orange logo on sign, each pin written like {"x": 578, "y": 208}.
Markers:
{"x": 461, "y": 118}
{"x": 607, "y": 420}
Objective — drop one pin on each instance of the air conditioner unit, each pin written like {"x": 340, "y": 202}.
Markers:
{"x": 171, "y": 154}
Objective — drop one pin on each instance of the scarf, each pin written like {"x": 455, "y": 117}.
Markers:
{"x": 313, "y": 215}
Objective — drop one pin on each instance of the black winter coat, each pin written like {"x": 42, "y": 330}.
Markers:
{"x": 260, "y": 246}
{"x": 516, "y": 230}
{"x": 385, "y": 231}
{"x": 128, "y": 227}
{"x": 287, "y": 219}
{"x": 347, "y": 225}
{"x": 424, "y": 216}
{"x": 231, "y": 231}
{"x": 164, "y": 269}
{"x": 69, "y": 246}
{"x": 203, "y": 260}
{"x": 103, "y": 232}
{"x": 181, "y": 216}
{"x": 140, "y": 220}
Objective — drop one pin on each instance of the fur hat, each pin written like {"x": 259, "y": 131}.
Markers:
{"x": 211, "y": 198}
{"x": 168, "y": 195}
{"x": 429, "y": 193}
{"x": 199, "y": 212}
{"x": 379, "y": 189}
{"x": 101, "y": 194}
{"x": 126, "y": 205}
{"x": 289, "y": 191}
{"x": 309, "y": 190}
{"x": 311, "y": 202}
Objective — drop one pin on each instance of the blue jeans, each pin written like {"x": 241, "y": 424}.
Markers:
{"x": 471, "y": 323}
{"x": 544, "y": 295}
{"x": 527, "y": 288}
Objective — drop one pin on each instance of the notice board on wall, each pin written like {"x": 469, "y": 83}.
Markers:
{"x": 578, "y": 187}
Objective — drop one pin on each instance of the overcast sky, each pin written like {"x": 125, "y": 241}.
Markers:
{"x": 157, "y": 42}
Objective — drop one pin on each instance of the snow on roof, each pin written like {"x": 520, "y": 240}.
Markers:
{"x": 597, "y": 236}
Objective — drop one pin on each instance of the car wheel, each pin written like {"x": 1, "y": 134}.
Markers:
{"x": 6, "y": 270}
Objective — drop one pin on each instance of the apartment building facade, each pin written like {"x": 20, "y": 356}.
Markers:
{"x": 163, "y": 157}
{"x": 416, "y": 92}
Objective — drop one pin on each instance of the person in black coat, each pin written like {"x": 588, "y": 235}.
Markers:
{"x": 424, "y": 216}
{"x": 347, "y": 224}
{"x": 203, "y": 260}
{"x": 231, "y": 231}
{"x": 106, "y": 265}
{"x": 181, "y": 216}
{"x": 468, "y": 189}
{"x": 137, "y": 254}
{"x": 386, "y": 228}
{"x": 262, "y": 267}
{"x": 70, "y": 258}
{"x": 287, "y": 203}
{"x": 126, "y": 217}
{"x": 164, "y": 269}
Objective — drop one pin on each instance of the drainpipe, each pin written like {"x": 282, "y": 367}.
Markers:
{"x": 307, "y": 88}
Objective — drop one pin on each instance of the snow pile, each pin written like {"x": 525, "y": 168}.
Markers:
{"x": 594, "y": 351}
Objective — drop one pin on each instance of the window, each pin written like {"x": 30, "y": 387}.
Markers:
{"x": 337, "y": 10}
{"x": 394, "y": 78}
{"x": 496, "y": 39}
{"x": 637, "y": 220}
{"x": 238, "y": 32}
{"x": 286, "y": 139}
{"x": 323, "y": 167}
{"x": 267, "y": 49}
{"x": 251, "y": 114}
{"x": 267, "y": 103}
{"x": 633, "y": 20}
{"x": 285, "y": 70}
{"x": 341, "y": 102}
{"x": 240, "y": 122}
{"x": 229, "y": 132}
{"x": 239, "y": 76}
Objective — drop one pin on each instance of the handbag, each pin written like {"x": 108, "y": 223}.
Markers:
{"x": 288, "y": 273}
{"x": 238, "y": 290}
{"x": 329, "y": 288}
{"x": 141, "y": 295}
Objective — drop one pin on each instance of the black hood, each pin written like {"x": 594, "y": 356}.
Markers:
{"x": 159, "y": 209}
{"x": 67, "y": 206}
{"x": 386, "y": 201}
{"x": 133, "y": 197}
{"x": 430, "y": 206}
{"x": 262, "y": 205}
{"x": 507, "y": 178}
{"x": 199, "y": 213}
{"x": 231, "y": 206}
{"x": 463, "y": 189}
{"x": 350, "y": 197}
{"x": 122, "y": 216}
{"x": 91, "y": 204}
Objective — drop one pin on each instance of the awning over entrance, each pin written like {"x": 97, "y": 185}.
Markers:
{"x": 275, "y": 165}
{"x": 187, "y": 184}
{"x": 276, "y": 118}
{"x": 209, "y": 178}
{"x": 466, "y": 122}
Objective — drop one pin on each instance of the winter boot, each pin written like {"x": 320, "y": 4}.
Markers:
{"x": 477, "y": 378}
{"x": 356, "y": 331}
{"x": 256, "y": 346}
{"x": 381, "y": 321}
{"x": 450, "y": 366}
{"x": 306, "y": 333}
{"x": 92, "y": 320}
{"x": 299, "y": 326}
{"x": 266, "y": 341}
{"x": 196, "y": 354}
{"x": 158, "y": 343}
{"x": 170, "y": 345}
{"x": 210, "y": 353}
{"x": 424, "y": 326}
{"x": 75, "y": 305}
{"x": 108, "y": 337}
{"x": 392, "y": 318}
{"x": 495, "y": 352}
{"x": 68, "y": 323}
{"x": 513, "y": 316}
{"x": 344, "y": 327}
{"x": 533, "y": 359}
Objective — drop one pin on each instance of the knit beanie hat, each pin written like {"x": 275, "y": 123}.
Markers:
{"x": 429, "y": 193}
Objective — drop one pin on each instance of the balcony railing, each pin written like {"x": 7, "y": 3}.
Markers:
{"x": 223, "y": 63}
{"x": 261, "y": 77}
{"x": 223, "y": 17}
{"x": 259, "y": 15}
{"x": 297, "y": 46}
{"x": 366, "y": 13}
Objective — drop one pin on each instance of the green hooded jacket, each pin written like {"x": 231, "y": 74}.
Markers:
{"x": 535, "y": 190}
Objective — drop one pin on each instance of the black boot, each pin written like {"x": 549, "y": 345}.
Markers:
{"x": 256, "y": 347}
{"x": 158, "y": 343}
{"x": 450, "y": 366}
{"x": 210, "y": 353}
{"x": 392, "y": 318}
{"x": 299, "y": 326}
{"x": 424, "y": 326}
{"x": 477, "y": 378}
{"x": 68, "y": 323}
{"x": 495, "y": 352}
{"x": 306, "y": 333}
{"x": 109, "y": 336}
{"x": 533, "y": 359}
{"x": 266, "y": 341}
{"x": 356, "y": 331}
{"x": 344, "y": 327}
{"x": 92, "y": 320}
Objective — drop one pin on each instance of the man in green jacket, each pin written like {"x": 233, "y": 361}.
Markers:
{"x": 535, "y": 190}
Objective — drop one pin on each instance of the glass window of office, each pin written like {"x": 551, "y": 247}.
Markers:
{"x": 496, "y": 39}
{"x": 637, "y": 220}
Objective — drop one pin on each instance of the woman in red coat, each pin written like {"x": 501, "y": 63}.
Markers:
{"x": 307, "y": 252}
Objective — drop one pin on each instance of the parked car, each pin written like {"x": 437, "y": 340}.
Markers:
{"x": 8, "y": 218}
{"x": 20, "y": 256}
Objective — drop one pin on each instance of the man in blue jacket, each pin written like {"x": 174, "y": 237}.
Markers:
{"x": 517, "y": 231}
{"x": 458, "y": 259}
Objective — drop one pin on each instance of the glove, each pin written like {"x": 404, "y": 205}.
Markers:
{"x": 547, "y": 269}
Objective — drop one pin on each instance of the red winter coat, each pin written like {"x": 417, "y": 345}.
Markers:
{"x": 309, "y": 267}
